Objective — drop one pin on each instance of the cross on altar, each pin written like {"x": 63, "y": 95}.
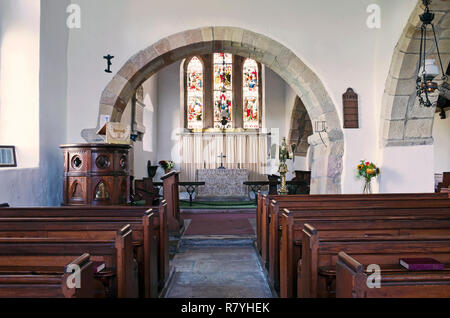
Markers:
{"x": 221, "y": 156}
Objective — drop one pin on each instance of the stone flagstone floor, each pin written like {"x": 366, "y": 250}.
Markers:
{"x": 218, "y": 272}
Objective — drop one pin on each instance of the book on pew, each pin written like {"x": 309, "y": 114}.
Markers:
{"x": 421, "y": 264}
{"x": 98, "y": 266}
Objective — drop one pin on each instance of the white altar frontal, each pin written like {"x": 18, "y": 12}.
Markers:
{"x": 222, "y": 183}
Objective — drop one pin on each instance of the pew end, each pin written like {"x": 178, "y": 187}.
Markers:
{"x": 395, "y": 282}
{"x": 349, "y": 274}
{"x": 86, "y": 274}
{"x": 74, "y": 280}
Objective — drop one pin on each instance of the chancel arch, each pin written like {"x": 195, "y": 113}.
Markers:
{"x": 300, "y": 128}
{"x": 326, "y": 160}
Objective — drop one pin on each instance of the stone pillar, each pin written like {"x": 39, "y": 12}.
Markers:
{"x": 326, "y": 164}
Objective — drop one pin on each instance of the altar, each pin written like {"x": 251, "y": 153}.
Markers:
{"x": 222, "y": 183}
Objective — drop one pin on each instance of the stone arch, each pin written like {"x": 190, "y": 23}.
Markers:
{"x": 403, "y": 121}
{"x": 326, "y": 161}
{"x": 300, "y": 128}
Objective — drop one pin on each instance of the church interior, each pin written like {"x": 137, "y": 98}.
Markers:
{"x": 213, "y": 149}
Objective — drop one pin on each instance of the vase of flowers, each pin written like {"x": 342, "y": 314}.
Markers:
{"x": 167, "y": 165}
{"x": 367, "y": 170}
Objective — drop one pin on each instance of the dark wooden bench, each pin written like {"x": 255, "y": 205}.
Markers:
{"x": 355, "y": 226}
{"x": 144, "y": 239}
{"x": 124, "y": 214}
{"x": 320, "y": 254}
{"x": 396, "y": 282}
{"x": 117, "y": 255}
{"x": 38, "y": 281}
{"x": 373, "y": 206}
{"x": 263, "y": 217}
{"x": 263, "y": 203}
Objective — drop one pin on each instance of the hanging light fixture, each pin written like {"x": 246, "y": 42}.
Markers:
{"x": 428, "y": 69}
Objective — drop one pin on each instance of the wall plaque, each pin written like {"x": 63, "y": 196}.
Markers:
{"x": 350, "y": 102}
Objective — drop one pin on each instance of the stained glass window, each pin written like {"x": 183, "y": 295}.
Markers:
{"x": 195, "y": 94}
{"x": 223, "y": 64}
{"x": 251, "y": 94}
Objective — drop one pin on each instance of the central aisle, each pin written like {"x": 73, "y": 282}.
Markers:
{"x": 216, "y": 257}
{"x": 218, "y": 272}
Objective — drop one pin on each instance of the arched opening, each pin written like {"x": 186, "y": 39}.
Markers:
{"x": 404, "y": 123}
{"x": 326, "y": 161}
{"x": 300, "y": 128}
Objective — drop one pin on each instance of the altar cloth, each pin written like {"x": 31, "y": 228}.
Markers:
{"x": 222, "y": 183}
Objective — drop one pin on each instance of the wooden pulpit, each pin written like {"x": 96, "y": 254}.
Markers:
{"x": 96, "y": 174}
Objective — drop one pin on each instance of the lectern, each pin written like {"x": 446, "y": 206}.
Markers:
{"x": 96, "y": 174}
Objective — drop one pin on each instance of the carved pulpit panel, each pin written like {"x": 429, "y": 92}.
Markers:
{"x": 77, "y": 190}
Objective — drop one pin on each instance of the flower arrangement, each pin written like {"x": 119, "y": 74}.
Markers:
{"x": 167, "y": 165}
{"x": 367, "y": 170}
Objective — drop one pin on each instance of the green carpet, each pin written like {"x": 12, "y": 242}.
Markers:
{"x": 218, "y": 204}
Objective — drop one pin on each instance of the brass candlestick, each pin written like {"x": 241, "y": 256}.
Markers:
{"x": 283, "y": 170}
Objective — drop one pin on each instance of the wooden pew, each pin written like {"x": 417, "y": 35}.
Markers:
{"x": 144, "y": 239}
{"x": 379, "y": 206}
{"x": 38, "y": 281}
{"x": 351, "y": 281}
{"x": 348, "y": 226}
{"x": 264, "y": 202}
{"x": 445, "y": 184}
{"x": 317, "y": 268}
{"x": 263, "y": 217}
{"x": 172, "y": 197}
{"x": 125, "y": 214}
{"x": 117, "y": 255}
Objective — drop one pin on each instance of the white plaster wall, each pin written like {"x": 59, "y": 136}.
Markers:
{"x": 168, "y": 116}
{"x": 330, "y": 36}
{"x": 147, "y": 148}
{"x": 151, "y": 115}
{"x": 441, "y": 136}
{"x": 404, "y": 171}
{"x": 40, "y": 185}
{"x": 275, "y": 109}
